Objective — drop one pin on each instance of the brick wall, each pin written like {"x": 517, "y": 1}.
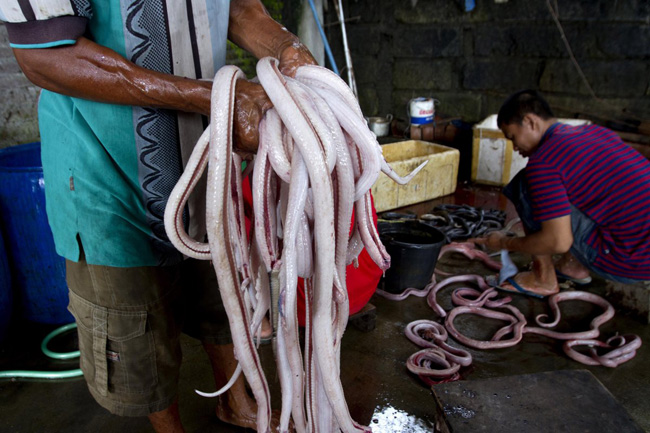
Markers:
{"x": 471, "y": 61}
{"x": 18, "y": 99}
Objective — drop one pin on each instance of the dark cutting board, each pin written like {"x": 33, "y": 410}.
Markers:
{"x": 568, "y": 401}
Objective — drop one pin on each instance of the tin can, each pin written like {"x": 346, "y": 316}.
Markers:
{"x": 421, "y": 110}
{"x": 380, "y": 125}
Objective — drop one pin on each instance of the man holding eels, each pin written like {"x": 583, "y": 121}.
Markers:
{"x": 127, "y": 84}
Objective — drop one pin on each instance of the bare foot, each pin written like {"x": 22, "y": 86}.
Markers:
{"x": 529, "y": 282}
{"x": 242, "y": 413}
{"x": 267, "y": 330}
{"x": 237, "y": 406}
{"x": 571, "y": 267}
{"x": 245, "y": 415}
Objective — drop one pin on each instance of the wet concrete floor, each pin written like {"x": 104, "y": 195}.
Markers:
{"x": 379, "y": 389}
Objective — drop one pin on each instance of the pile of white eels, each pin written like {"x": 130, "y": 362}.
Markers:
{"x": 316, "y": 162}
{"x": 439, "y": 362}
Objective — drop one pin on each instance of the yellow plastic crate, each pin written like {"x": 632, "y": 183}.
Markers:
{"x": 436, "y": 179}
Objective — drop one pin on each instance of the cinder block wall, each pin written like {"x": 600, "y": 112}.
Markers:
{"x": 471, "y": 61}
{"x": 18, "y": 100}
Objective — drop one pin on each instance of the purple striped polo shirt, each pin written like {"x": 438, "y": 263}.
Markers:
{"x": 590, "y": 168}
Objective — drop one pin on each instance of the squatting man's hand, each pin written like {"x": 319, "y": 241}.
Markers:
{"x": 493, "y": 241}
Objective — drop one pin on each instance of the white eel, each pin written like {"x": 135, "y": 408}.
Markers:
{"x": 316, "y": 162}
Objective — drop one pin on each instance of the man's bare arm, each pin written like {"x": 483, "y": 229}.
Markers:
{"x": 253, "y": 29}
{"x": 555, "y": 237}
{"x": 91, "y": 71}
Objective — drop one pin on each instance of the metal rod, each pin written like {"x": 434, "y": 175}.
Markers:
{"x": 348, "y": 58}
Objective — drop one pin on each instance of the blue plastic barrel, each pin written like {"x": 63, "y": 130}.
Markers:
{"x": 37, "y": 271}
{"x": 6, "y": 298}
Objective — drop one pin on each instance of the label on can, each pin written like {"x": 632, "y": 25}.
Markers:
{"x": 421, "y": 111}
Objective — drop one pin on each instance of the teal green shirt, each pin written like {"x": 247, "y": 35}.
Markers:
{"x": 109, "y": 169}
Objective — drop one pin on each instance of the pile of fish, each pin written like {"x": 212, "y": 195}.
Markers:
{"x": 468, "y": 249}
{"x": 462, "y": 222}
{"x": 613, "y": 352}
{"x": 433, "y": 337}
{"x": 479, "y": 299}
{"x": 316, "y": 162}
{"x": 439, "y": 362}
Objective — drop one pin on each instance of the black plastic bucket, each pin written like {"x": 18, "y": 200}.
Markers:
{"x": 413, "y": 248}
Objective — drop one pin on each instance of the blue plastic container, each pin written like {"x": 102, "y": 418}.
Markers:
{"x": 37, "y": 271}
{"x": 6, "y": 298}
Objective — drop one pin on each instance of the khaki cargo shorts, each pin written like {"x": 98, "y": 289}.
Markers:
{"x": 129, "y": 322}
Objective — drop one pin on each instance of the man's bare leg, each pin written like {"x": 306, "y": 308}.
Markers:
{"x": 541, "y": 279}
{"x": 267, "y": 329}
{"x": 571, "y": 267}
{"x": 167, "y": 420}
{"x": 235, "y": 406}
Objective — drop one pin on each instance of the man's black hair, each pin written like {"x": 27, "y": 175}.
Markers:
{"x": 521, "y": 103}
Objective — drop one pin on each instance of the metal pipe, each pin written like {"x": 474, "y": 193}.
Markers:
{"x": 348, "y": 58}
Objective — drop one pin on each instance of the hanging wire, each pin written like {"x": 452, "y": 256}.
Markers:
{"x": 555, "y": 15}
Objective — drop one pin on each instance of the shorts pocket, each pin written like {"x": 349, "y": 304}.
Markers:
{"x": 117, "y": 350}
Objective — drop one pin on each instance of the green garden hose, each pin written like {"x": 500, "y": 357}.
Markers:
{"x": 55, "y": 355}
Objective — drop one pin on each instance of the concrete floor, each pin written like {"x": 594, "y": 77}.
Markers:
{"x": 380, "y": 391}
